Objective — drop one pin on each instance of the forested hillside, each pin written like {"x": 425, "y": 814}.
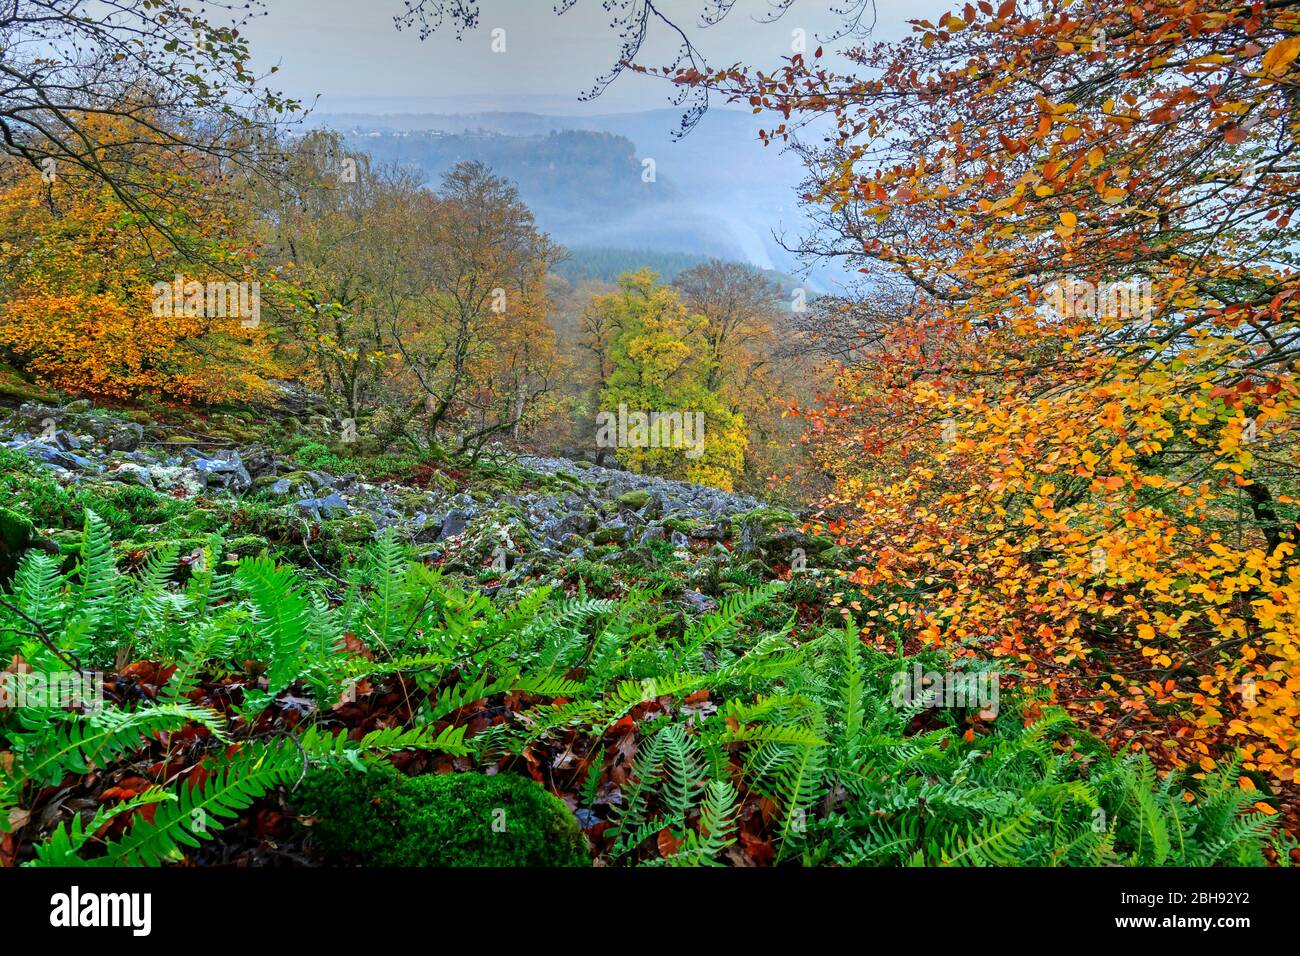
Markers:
{"x": 348, "y": 518}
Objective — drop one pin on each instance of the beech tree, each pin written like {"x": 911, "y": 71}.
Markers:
{"x": 1078, "y": 449}
{"x": 78, "y": 304}
{"x": 659, "y": 365}
{"x": 157, "y": 73}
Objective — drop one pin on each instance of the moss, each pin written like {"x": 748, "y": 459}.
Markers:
{"x": 129, "y": 508}
{"x": 197, "y": 521}
{"x": 564, "y": 480}
{"x": 317, "y": 456}
{"x": 412, "y": 502}
{"x": 382, "y": 818}
{"x": 295, "y": 479}
{"x": 14, "y": 386}
{"x": 354, "y": 529}
{"x": 764, "y": 516}
{"x": 634, "y": 499}
{"x": 15, "y": 537}
{"x": 821, "y": 544}
{"x": 442, "y": 480}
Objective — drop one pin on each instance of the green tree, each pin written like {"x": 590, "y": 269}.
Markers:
{"x": 656, "y": 403}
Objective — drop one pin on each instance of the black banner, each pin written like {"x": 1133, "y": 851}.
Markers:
{"x": 296, "y": 905}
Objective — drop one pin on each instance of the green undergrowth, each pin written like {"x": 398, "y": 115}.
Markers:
{"x": 378, "y": 817}
{"x": 745, "y": 731}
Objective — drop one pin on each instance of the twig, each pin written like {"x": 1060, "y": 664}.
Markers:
{"x": 43, "y": 636}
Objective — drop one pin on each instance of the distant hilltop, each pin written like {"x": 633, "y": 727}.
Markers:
{"x": 616, "y": 180}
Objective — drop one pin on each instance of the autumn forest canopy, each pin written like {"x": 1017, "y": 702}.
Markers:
{"x": 345, "y": 521}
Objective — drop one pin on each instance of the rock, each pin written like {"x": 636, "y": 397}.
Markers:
{"x": 453, "y": 523}
{"x": 124, "y": 436}
{"x": 225, "y": 470}
{"x": 51, "y": 455}
{"x": 583, "y": 523}
{"x": 572, "y": 542}
{"x": 783, "y": 544}
{"x": 170, "y": 477}
{"x": 132, "y": 474}
{"x": 321, "y": 480}
{"x": 680, "y": 540}
{"x": 36, "y": 416}
{"x": 710, "y": 532}
{"x": 66, "y": 440}
{"x": 329, "y": 505}
{"x": 259, "y": 461}
{"x": 279, "y": 487}
{"x": 701, "y": 602}
{"x": 614, "y": 532}
{"x": 654, "y": 532}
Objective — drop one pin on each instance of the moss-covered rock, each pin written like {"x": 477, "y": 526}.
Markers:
{"x": 14, "y": 386}
{"x": 765, "y": 516}
{"x": 634, "y": 499}
{"x": 299, "y": 479}
{"x": 442, "y": 480}
{"x": 382, "y": 818}
{"x": 615, "y": 532}
{"x": 679, "y": 524}
{"x": 354, "y": 529}
{"x": 15, "y": 537}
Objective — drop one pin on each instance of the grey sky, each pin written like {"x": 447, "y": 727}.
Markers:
{"x": 350, "y": 52}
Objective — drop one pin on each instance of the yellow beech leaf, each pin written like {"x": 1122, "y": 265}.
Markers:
{"x": 1281, "y": 55}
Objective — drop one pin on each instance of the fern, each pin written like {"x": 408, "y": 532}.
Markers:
{"x": 64, "y": 743}
{"x": 62, "y": 848}
{"x": 197, "y": 812}
{"x": 281, "y": 613}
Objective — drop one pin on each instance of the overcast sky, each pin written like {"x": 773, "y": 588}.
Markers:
{"x": 350, "y": 52}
